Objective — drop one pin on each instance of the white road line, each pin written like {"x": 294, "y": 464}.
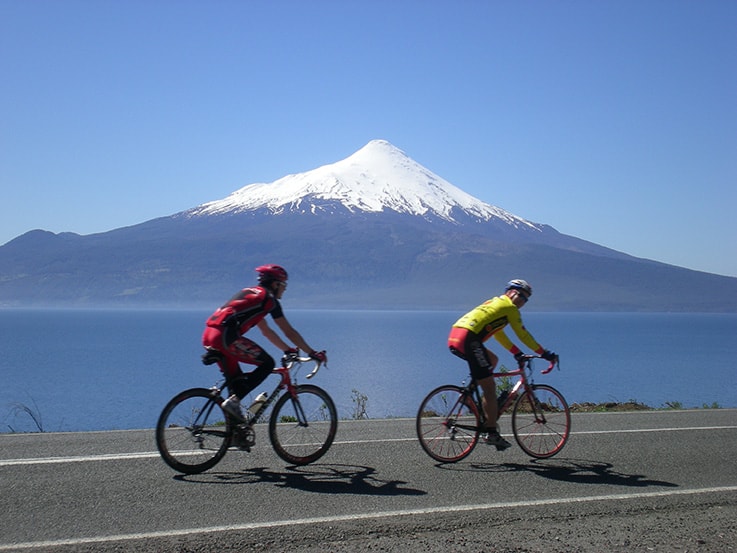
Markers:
{"x": 150, "y": 455}
{"x": 77, "y": 459}
{"x": 637, "y": 430}
{"x": 359, "y": 516}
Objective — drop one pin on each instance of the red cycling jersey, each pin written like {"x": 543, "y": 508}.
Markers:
{"x": 226, "y": 326}
{"x": 245, "y": 310}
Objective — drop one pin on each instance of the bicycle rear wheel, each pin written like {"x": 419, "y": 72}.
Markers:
{"x": 448, "y": 424}
{"x": 541, "y": 421}
{"x": 193, "y": 433}
{"x": 303, "y": 428}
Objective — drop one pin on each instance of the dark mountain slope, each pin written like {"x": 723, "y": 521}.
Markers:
{"x": 337, "y": 261}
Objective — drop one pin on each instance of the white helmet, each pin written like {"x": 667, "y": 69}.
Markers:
{"x": 520, "y": 285}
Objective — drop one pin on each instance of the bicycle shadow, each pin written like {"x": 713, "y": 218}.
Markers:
{"x": 574, "y": 471}
{"x": 318, "y": 478}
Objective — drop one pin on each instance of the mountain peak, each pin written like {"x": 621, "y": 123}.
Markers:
{"x": 376, "y": 178}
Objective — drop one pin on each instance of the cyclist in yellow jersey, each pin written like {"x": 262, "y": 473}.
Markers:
{"x": 467, "y": 337}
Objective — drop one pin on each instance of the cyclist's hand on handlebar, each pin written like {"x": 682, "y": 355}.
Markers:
{"x": 549, "y": 356}
{"x": 552, "y": 357}
{"x": 290, "y": 354}
{"x": 320, "y": 356}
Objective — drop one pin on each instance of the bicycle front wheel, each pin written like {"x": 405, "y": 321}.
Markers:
{"x": 448, "y": 424}
{"x": 302, "y": 428}
{"x": 193, "y": 433}
{"x": 541, "y": 421}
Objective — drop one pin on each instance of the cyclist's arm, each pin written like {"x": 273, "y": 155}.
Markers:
{"x": 272, "y": 336}
{"x": 504, "y": 340}
{"x": 524, "y": 335}
{"x": 291, "y": 333}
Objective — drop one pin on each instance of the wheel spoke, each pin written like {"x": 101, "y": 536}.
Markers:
{"x": 303, "y": 428}
{"x": 541, "y": 421}
{"x": 447, "y": 427}
{"x": 192, "y": 433}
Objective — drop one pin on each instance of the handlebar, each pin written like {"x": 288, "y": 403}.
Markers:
{"x": 314, "y": 371}
{"x": 289, "y": 360}
{"x": 555, "y": 362}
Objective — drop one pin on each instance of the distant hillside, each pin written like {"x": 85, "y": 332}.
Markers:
{"x": 376, "y": 230}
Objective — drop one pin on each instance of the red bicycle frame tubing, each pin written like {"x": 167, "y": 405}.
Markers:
{"x": 286, "y": 380}
{"x": 515, "y": 391}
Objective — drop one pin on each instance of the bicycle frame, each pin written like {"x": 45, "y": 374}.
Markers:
{"x": 521, "y": 386}
{"x": 524, "y": 382}
{"x": 286, "y": 382}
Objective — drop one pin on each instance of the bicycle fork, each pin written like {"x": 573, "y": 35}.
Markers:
{"x": 300, "y": 412}
{"x": 535, "y": 406}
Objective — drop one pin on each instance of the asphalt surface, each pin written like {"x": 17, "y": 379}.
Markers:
{"x": 644, "y": 481}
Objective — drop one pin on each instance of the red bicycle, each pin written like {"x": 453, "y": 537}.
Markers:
{"x": 450, "y": 418}
{"x": 194, "y": 432}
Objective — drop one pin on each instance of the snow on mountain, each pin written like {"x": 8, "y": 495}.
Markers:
{"x": 377, "y": 177}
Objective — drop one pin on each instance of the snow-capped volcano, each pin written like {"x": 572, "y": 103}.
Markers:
{"x": 374, "y": 231}
{"x": 376, "y": 178}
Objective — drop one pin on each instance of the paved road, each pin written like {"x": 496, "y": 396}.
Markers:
{"x": 646, "y": 481}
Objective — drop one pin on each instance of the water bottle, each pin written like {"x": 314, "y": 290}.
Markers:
{"x": 257, "y": 403}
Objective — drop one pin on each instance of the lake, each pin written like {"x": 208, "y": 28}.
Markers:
{"x": 80, "y": 370}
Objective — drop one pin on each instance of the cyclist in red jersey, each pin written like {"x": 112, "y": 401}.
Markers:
{"x": 467, "y": 339}
{"x": 248, "y": 308}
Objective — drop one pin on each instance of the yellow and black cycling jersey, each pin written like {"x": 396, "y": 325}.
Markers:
{"x": 490, "y": 318}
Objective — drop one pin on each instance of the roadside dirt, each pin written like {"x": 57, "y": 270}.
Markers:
{"x": 698, "y": 524}
{"x": 587, "y": 407}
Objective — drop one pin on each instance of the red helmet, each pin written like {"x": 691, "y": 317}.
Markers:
{"x": 268, "y": 273}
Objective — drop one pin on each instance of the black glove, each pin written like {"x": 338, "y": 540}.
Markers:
{"x": 290, "y": 354}
{"x": 549, "y": 356}
{"x": 520, "y": 358}
{"x": 320, "y": 356}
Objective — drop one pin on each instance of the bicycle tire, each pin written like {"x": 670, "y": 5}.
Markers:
{"x": 193, "y": 433}
{"x": 302, "y": 429}
{"x": 541, "y": 431}
{"x": 448, "y": 428}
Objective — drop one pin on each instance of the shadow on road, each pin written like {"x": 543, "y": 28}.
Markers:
{"x": 575, "y": 471}
{"x": 328, "y": 478}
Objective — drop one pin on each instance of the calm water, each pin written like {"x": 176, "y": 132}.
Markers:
{"x": 103, "y": 370}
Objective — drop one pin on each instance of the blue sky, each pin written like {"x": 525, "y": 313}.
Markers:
{"x": 613, "y": 121}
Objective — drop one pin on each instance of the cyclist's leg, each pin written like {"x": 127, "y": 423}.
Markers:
{"x": 482, "y": 362}
{"x": 216, "y": 339}
{"x": 489, "y": 404}
{"x": 243, "y": 350}
{"x": 490, "y": 408}
{"x": 470, "y": 347}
